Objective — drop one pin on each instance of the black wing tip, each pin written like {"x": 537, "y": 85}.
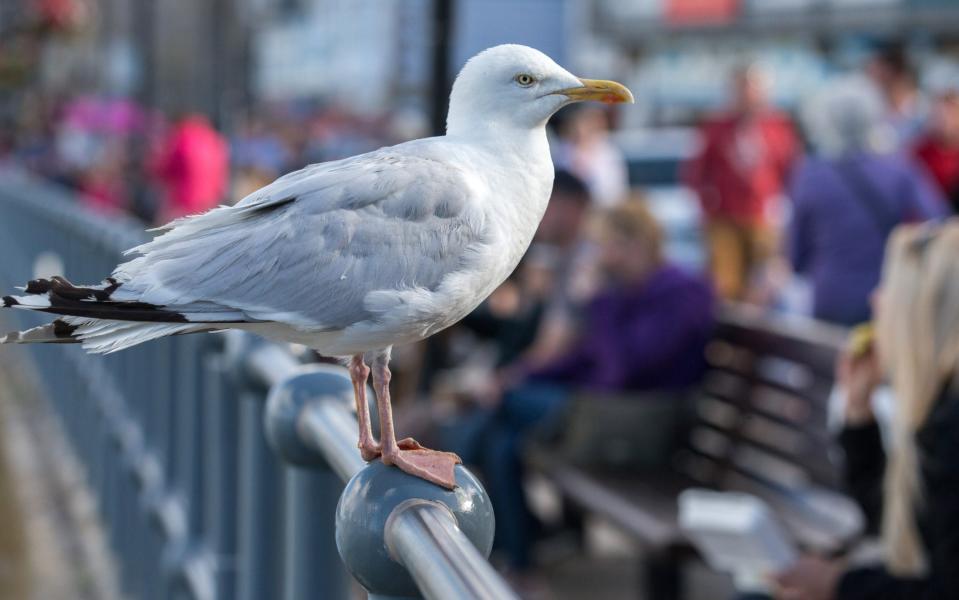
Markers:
{"x": 62, "y": 329}
{"x": 63, "y": 287}
{"x": 66, "y": 298}
{"x": 38, "y": 286}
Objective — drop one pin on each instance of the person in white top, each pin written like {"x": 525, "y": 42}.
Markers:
{"x": 586, "y": 150}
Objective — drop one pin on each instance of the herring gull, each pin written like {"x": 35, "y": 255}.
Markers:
{"x": 353, "y": 256}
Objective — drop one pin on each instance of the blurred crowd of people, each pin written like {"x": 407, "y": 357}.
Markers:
{"x": 124, "y": 158}
{"x": 881, "y": 152}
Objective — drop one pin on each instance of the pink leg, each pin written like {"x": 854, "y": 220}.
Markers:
{"x": 359, "y": 372}
{"x": 431, "y": 465}
{"x": 369, "y": 448}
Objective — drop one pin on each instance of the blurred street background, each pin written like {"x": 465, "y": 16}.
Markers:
{"x": 772, "y": 147}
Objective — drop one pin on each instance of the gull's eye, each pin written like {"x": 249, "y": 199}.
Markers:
{"x": 525, "y": 79}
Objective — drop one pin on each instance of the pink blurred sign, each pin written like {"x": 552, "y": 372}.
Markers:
{"x": 701, "y": 12}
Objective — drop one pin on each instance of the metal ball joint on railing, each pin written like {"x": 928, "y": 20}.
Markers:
{"x": 399, "y": 536}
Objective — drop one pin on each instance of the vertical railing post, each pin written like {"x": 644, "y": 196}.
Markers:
{"x": 258, "y": 541}
{"x": 260, "y": 559}
{"x": 312, "y": 487}
{"x": 222, "y": 437}
{"x": 311, "y": 562}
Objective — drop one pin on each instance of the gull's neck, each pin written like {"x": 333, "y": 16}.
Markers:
{"x": 517, "y": 163}
{"x": 527, "y": 143}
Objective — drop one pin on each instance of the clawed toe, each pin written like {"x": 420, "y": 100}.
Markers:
{"x": 373, "y": 451}
{"x": 369, "y": 453}
{"x": 409, "y": 444}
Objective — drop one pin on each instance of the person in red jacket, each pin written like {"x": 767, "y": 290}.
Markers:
{"x": 938, "y": 149}
{"x": 192, "y": 166}
{"x": 739, "y": 176}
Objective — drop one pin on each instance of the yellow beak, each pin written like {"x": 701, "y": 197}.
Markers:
{"x": 609, "y": 92}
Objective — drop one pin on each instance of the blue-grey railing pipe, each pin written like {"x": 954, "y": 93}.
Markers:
{"x": 330, "y": 429}
{"x": 424, "y": 537}
{"x": 270, "y": 364}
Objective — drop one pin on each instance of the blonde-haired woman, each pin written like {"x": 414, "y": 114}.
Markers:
{"x": 914, "y": 494}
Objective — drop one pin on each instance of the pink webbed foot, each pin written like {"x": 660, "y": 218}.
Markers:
{"x": 432, "y": 465}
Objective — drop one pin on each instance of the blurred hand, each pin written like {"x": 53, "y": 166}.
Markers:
{"x": 859, "y": 374}
{"x": 811, "y": 578}
{"x": 555, "y": 335}
{"x": 505, "y": 301}
{"x": 491, "y": 393}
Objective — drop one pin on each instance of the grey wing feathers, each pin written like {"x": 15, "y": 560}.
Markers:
{"x": 307, "y": 249}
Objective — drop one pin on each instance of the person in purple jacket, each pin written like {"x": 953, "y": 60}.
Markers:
{"x": 848, "y": 198}
{"x": 645, "y": 329}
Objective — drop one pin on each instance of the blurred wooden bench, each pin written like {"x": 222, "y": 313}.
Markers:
{"x": 757, "y": 424}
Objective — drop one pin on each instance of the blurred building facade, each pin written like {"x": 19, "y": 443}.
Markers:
{"x": 678, "y": 54}
{"x": 220, "y": 56}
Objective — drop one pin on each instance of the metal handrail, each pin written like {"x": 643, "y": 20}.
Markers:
{"x": 330, "y": 429}
{"x": 422, "y": 535}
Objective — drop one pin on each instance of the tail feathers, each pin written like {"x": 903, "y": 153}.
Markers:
{"x": 57, "y": 332}
{"x": 59, "y": 296}
{"x": 99, "y": 336}
{"x": 104, "y": 336}
{"x": 92, "y": 316}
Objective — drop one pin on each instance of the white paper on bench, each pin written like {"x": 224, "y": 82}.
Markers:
{"x": 738, "y": 534}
